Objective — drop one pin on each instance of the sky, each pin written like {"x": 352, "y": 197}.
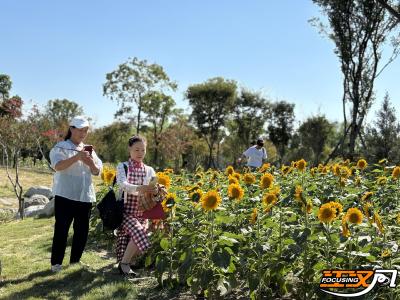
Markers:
{"x": 64, "y": 49}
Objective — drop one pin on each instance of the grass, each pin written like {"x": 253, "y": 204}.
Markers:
{"x": 25, "y": 256}
{"x": 28, "y": 178}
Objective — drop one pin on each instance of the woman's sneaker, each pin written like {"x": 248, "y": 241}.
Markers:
{"x": 56, "y": 268}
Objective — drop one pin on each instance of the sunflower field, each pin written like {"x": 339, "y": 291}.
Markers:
{"x": 270, "y": 233}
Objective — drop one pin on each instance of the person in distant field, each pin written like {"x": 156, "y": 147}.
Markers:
{"x": 255, "y": 155}
{"x": 75, "y": 163}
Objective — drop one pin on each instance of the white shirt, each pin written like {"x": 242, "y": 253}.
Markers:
{"x": 255, "y": 156}
{"x": 123, "y": 183}
{"x": 74, "y": 182}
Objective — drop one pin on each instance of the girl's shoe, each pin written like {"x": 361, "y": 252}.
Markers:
{"x": 124, "y": 269}
{"x": 56, "y": 268}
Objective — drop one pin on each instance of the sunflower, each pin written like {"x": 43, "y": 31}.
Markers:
{"x": 108, "y": 176}
{"x": 345, "y": 227}
{"x": 232, "y": 180}
{"x": 196, "y": 195}
{"x": 253, "y": 217}
{"x": 345, "y": 172}
{"x": 362, "y": 164}
{"x": 309, "y": 207}
{"x": 342, "y": 181}
{"x": 266, "y": 180}
{"x": 386, "y": 253}
{"x": 326, "y": 213}
{"x": 229, "y": 170}
{"x": 337, "y": 206}
{"x": 381, "y": 180}
{"x": 336, "y": 169}
{"x": 169, "y": 202}
{"x": 235, "y": 191}
{"x": 378, "y": 222}
{"x": 285, "y": 170}
{"x": 357, "y": 181}
{"x": 163, "y": 179}
{"x": 168, "y": 171}
{"x": 396, "y": 173}
{"x": 383, "y": 161}
{"x": 346, "y": 162}
{"x": 367, "y": 208}
{"x": 324, "y": 170}
{"x": 301, "y": 165}
{"x": 264, "y": 167}
{"x": 275, "y": 189}
{"x": 298, "y": 194}
{"x": 354, "y": 215}
{"x": 249, "y": 178}
{"x": 211, "y": 200}
{"x": 312, "y": 171}
{"x": 270, "y": 199}
{"x": 236, "y": 175}
{"x": 366, "y": 196}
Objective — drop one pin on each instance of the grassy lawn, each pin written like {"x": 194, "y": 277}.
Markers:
{"x": 28, "y": 178}
{"x": 25, "y": 256}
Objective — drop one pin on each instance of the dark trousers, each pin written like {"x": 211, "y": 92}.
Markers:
{"x": 65, "y": 211}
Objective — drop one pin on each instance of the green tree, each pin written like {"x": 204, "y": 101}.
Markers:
{"x": 314, "y": 133}
{"x": 359, "y": 29}
{"x": 60, "y": 111}
{"x": 382, "y": 139}
{"x": 250, "y": 115}
{"x": 280, "y": 126}
{"x": 212, "y": 103}
{"x": 132, "y": 81}
{"x": 111, "y": 141}
{"x": 5, "y": 86}
{"x": 158, "y": 107}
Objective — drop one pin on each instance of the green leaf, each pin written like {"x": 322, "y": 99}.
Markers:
{"x": 164, "y": 243}
{"x": 221, "y": 258}
{"x": 223, "y": 240}
{"x": 223, "y": 286}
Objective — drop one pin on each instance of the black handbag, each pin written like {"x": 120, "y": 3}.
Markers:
{"x": 111, "y": 209}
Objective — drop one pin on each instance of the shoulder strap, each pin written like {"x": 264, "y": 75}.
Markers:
{"x": 126, "y": 174}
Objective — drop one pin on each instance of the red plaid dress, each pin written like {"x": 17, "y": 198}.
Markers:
{"x": 133, "y": 226}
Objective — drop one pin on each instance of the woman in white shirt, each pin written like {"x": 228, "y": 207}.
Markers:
{"x": 73, "y": 191}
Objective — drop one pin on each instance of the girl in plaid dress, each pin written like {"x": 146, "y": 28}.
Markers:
{"x": 132, "y": 238}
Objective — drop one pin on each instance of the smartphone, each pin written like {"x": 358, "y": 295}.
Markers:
{"x": 88, "y": 148}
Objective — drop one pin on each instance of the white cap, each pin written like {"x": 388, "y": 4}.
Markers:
{"x": 79, "y": 122}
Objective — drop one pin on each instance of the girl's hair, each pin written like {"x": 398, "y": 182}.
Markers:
{"x": 69, "y": 133}
{"x": 135, "y": 139}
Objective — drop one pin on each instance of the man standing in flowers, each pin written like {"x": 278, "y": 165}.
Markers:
{"x": 255, "y": 155}
{"x": 132, "y": 237}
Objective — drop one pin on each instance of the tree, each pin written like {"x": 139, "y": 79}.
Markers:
{"x": 111, "y": 141}
{"x": 132, "y": 81}
{"x": 359, "y": 29}
{"x": 5, "y": 86}
{"x": 382, "y": 140}
{"x": 394, "y": 11}
{"x": 314, "y": 134}
{"x": 212, "y": 103}
{"x": 158, "y": 107}
{"x": 280, "y": 126}
{"x": 11, "y": 107}
{"x": 60, "y": 111}
{"x": 176, "y": 141}
{"x": 250, "y": 116}
{"x": 16, "y": 135}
